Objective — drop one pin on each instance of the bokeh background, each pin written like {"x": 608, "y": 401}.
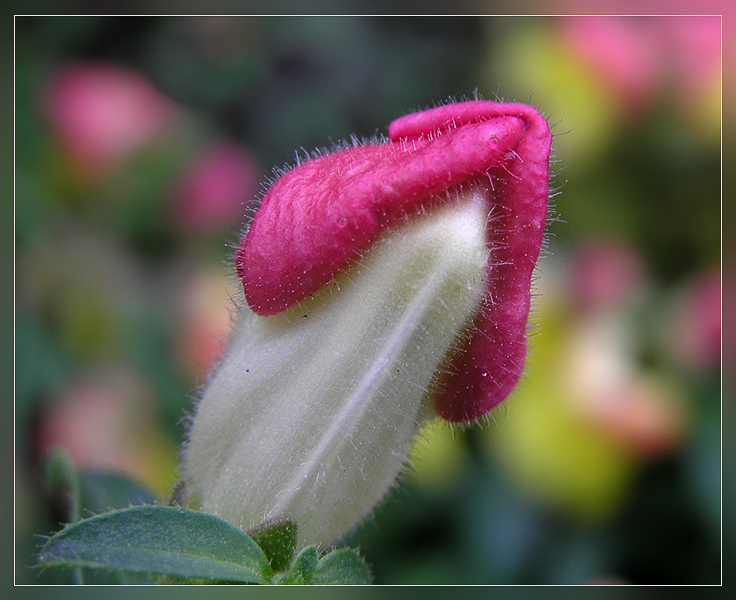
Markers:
{"x": 140, "y": 142}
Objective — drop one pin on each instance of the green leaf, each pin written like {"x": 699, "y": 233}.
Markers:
{"x": 277, "y": 539}
{"x": 98, "y": 491}
{"x": 167, "y": 540}
{"x": 302, "y": 569}
{"x": 344, "y": 566}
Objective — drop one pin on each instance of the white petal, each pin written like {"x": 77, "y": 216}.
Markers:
{"x": 311, "y": 413}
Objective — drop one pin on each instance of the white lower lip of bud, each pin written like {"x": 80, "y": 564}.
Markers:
{"x": 311, "y": 413}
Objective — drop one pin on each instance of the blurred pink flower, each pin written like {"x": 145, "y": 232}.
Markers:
{"x": 108, "y": 420}
{"x": 100, "y": 113}
{"x": 697, "y": 323}
{"x": 643, "y": 414}
{"x": 604, "y": 273}
{"x": 693, "y": 59}
{"x": 621, "y": 51}
{"x": 212, "y": 193}
{"x": 639, "y": 58}
{"x": 608, "y": 388}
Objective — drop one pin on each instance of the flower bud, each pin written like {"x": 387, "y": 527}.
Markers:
{"x": 380, "y": 279}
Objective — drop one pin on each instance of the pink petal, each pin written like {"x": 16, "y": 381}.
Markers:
{"x": 323, "y": 214}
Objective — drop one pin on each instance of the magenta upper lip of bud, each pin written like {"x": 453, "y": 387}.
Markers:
{"x": 323, "y": 214}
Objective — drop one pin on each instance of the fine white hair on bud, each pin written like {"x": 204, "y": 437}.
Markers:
{"x": 311, "y": 413}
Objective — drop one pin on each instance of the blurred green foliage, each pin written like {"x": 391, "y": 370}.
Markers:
{"x": 118, "y": 305}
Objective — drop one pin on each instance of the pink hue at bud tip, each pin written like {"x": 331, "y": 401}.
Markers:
{"x": 322, "y": 215}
